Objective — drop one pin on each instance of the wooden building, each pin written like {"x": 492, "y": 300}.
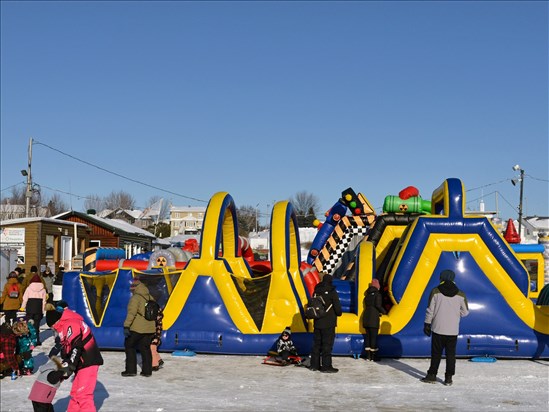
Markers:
{"x": 112, "y": 233}
{"x": 44, "y": 241}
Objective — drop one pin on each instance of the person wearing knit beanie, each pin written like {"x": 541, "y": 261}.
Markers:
{"x": 447, "y": 276}
{"x": 373, "y": 309}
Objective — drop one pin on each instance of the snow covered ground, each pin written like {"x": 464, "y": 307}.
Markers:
{"x": 242, "y": 383}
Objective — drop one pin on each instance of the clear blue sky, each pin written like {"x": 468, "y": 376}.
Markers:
{"x": 267, "y": 99}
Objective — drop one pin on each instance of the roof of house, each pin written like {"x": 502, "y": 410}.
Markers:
{"x": 116, "y": 225}
{"x": 40, "y": 219}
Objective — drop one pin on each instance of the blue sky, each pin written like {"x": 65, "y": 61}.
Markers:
{"x": 267, "y": 99}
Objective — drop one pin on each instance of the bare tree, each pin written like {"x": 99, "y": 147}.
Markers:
{"x": 120, "y": 199}
{"x": 246, "y": 220}
{"x": 17, "y": 196}
{"x": 94, "y": 202}
{"x": 56, "y": 205}
{"x": 306, "y": 206}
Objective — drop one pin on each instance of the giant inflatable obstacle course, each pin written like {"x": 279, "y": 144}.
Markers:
{"x": 217, "y": 303}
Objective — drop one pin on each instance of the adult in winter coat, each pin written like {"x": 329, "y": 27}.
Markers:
{"x": 324, "y": 328}
{"x": 79, "y": 353}
{"x": 48, "y": 277}
{"x": 57, "y": 287}
{"x": 11, "y": 299}
{"x": 138, "y": 331}
{"x": 34, "y": 303}
{"x": 28, "y": 278}
{"x": 447, "y": 305}
{"x": 373, "y": 310}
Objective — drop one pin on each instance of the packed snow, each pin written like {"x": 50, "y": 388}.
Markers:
{"x": 242, "y": 383}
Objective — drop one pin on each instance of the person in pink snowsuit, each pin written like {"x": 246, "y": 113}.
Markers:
{"x": 80, "y": 355}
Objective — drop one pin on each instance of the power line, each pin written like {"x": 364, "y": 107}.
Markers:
{"x": 118, "y": 174}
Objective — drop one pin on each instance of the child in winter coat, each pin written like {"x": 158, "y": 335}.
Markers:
{"x": 8, "y": 344}
{"x": 34, "y": 302}
{"x": 26, "y": 341}
{"x": 79, "y": 352}
{"x": 49, "y": 378}
{"x": 11, "y": 299}
{"x": 285, "y": 346}
{"x": 157, "y": 361}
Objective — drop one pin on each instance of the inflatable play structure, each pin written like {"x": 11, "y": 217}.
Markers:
{"x": 217, "y": 303}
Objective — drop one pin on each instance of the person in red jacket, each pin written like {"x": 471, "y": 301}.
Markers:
{"x": 80, "y": 355}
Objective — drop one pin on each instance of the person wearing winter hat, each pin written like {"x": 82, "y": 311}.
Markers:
{"x": 138, "y": 331}
{"x": 11, "y": 298}
{"x": 447, "y": 305}
{"x": 324, "y": 328}
{"x": 27, "y": 280}
{"x": 285, "y": 346}
{"x": 34, "y": 302}
{"x": 373, "y": 309}
{"x": 80, "y": 355}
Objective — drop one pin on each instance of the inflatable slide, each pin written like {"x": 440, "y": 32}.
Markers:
{"x": 217, "y": 304}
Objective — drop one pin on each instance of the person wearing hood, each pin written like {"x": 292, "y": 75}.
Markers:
{"x": 34, "y": 303}
{"x": 373, "y": 309}
{"x": 138, "y": 331}
{"x": 80, "y": 355}
{"x": 324, "y": 328}
{"x": 447, "y": 305}
{"x": 11, "y": 298}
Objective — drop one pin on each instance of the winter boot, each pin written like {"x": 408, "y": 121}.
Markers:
{"x": 375, "y": 358}
{"x": 430, "y": 378}
{"x": 448, "y": 380}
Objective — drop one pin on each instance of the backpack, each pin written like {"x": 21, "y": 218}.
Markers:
{"x": 13, "y": 291}
{"x": 151, "y": 310}
{"x": 316, "y": 307}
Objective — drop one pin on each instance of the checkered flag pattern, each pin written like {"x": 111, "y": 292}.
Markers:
{"x": 348, "y": 228}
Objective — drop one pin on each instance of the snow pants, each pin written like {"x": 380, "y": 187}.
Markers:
{"x": 82, "y": 390}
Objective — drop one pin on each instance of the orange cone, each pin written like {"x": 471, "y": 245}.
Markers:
{"x": 511, "y": 235}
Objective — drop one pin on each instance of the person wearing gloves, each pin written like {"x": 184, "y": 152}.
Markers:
{"x": 34, "y": 303}
{"x": 285, "y": 346}
{"x": 12, "y": 297}
{"x": 138, "y": 331}
{"x": 447, "y": 305}
{"x": 48, "y": 380}
{"x": 373, "y": 309}
{"x": 79, "y": 353}
{"x": 324, "y": 328}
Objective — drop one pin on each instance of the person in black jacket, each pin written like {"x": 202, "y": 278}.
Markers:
{"x": 373, "y": 310}
{"x": 324, "y": 328}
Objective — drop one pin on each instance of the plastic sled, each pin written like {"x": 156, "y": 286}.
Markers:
{"x": 184, "y": 352}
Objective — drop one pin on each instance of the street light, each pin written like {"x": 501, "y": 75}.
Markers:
{"x": 27, "y": 173}
{"x": 514, "y": 182}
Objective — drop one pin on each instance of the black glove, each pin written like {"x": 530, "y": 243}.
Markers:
{"x": 127, "y": 332}
{"x": 67, "y": 369}
{"x": 427, "y": 329}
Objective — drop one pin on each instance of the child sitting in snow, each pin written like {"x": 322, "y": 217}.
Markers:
{"x": 285, "y": 348}
{"x": 26, "y": 341}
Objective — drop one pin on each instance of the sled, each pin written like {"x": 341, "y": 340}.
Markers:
{"x": 489, "y": 359}
{"x": 184, "y": 352}
{"x": 275, "y": 360}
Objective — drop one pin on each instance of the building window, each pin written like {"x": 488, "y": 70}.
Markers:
{"x": 50, "y": 242}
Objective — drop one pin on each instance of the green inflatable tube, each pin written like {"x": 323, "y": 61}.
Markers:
{"x": 414, "y": 204}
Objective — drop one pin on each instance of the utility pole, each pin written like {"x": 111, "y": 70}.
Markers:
{"x": 28, "y": 193}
